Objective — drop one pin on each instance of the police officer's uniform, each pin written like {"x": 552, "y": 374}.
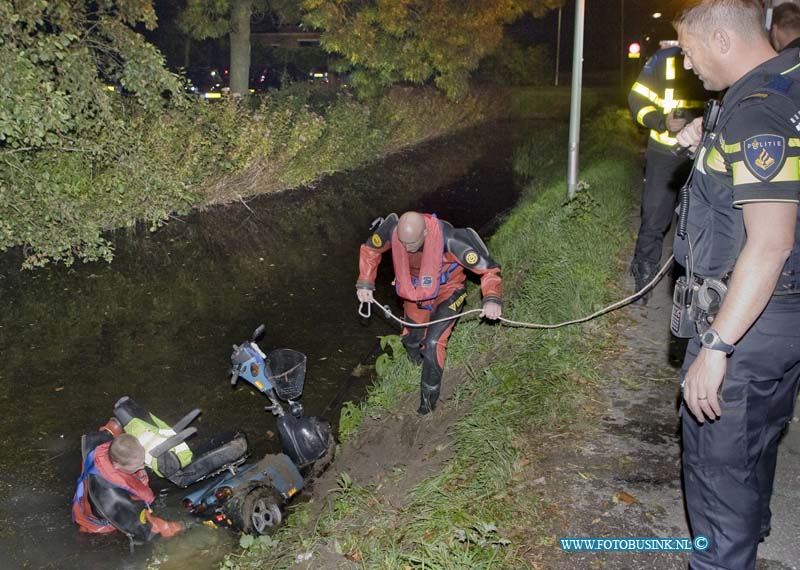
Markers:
{"x": 662, "y": 86}
{"x": 751, "y": 155}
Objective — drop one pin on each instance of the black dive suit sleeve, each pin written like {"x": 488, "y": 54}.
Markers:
{"x": 116, "y": 505}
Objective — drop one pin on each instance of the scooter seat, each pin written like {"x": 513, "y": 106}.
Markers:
{"x": 168, "y": 455}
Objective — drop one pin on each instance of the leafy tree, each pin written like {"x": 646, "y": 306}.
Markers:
{"x": 390, "y": 41}
{"x": 511, "y": 64}
{"x": 59, "y": 59}
{"x": 214, "y": 18}
{"x": 76, "y": 79}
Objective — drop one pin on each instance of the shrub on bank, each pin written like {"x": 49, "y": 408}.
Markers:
{"x": 60, "y": 204}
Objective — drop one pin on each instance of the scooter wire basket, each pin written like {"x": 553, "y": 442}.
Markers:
{"x": 287, "y": 372}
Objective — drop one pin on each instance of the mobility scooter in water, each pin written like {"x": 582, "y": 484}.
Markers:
{"x": 245, "y": 496}
{"x": 249, "y": 497}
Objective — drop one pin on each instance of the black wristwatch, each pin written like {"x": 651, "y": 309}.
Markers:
{"x": 711, "y": 339}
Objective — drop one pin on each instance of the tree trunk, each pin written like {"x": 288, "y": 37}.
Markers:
{"x": 240, "y": 46}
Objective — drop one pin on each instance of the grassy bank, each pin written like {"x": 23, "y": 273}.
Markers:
{"x": 483, "y": 509}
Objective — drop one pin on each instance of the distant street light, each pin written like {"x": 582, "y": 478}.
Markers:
{"x": 656, "y": 15}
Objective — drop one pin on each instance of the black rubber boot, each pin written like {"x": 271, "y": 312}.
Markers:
{"x": 643, "y": 272}
{"x": 414, "y": 355}
{"x": 412, "y": 342}
{"x": 427, "y": 399}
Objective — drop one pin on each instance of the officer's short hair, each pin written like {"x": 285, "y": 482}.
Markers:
{"x": 126, "y": 451}
{"x": 786, "y": 16}
{"x": 743, "y": 17}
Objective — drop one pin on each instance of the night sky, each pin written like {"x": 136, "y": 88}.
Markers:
{"x": 603, "y": 44}
{"x": 603, "y": 24}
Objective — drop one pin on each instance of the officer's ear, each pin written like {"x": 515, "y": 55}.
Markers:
{"x": 721, "y": 41}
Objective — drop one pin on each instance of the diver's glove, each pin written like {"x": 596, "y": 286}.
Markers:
{"x": 166, "y": 529}
{"x": 112, "y": 426}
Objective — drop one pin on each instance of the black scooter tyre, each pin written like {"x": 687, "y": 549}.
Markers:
{"x": 261, "y": 512}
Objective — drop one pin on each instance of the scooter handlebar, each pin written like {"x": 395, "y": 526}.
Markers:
{"x": 258, "y": 332}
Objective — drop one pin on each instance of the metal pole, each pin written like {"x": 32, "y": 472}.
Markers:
{"x": 575, "y": 101}
{"x": 622, "y": 44}
{"x": 558, "y": 45}
{"x": 768, "y": 14}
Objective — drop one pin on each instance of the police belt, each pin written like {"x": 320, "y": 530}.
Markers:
{"x": 695, "y": 303}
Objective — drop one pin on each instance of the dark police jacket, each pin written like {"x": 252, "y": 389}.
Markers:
{"x": 751, "y": 155}
{"x": 662, "y": 86}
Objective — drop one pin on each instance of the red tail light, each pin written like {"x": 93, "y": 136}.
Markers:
{"x": 222, "y": 494}
{"x": 192, "y": 508}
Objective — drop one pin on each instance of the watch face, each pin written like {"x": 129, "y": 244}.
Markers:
{"x": 707, "y": 338}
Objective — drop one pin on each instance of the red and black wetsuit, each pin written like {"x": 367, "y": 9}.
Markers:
{"x": 455, "y": 251}
{"x": 107, "y": 499}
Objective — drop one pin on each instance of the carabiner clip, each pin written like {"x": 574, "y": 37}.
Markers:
{"x": 365, "y": 312}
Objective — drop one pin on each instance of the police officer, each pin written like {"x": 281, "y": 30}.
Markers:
{"x": 663, "y": 99}
{"x": 740, "y": 374}
{"x": 429, "y": 258}
{"x": 785, "y": 30}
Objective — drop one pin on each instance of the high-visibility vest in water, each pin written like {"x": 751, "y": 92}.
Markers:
{"x": 152, "y": 434}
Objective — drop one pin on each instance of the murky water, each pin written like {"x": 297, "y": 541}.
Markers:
{"x": 159, "y": 322}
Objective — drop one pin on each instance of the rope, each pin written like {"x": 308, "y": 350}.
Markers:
{"x": 366, "y": 311}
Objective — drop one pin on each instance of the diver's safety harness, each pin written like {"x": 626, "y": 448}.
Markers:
{"x": 365, "y": 309}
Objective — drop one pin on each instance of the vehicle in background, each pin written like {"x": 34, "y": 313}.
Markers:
{"x": 206, "y": 82}
{"x": 212, "y": 83}
{"x": 318, "y": 76}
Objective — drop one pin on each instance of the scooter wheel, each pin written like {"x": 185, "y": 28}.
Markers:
{"x": 261, "y": 512}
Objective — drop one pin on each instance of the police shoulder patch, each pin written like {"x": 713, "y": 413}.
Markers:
{"x": 376, "y": 240}
{"x": 143, "y": 516}
{"x": 764, "y": 155}
{"x": 471, "y": 257}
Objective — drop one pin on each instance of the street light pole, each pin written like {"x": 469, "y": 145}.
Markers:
{"x": 768, "y": 9}
{"x": 622, "y": 44}
{"x": 558, "y": 45}
{"x": 575, "y": 101}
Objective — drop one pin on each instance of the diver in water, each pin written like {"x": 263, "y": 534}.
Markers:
{"x": 113, "y": 490}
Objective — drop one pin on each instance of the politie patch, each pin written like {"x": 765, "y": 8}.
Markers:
{"x": 764, "y": 155}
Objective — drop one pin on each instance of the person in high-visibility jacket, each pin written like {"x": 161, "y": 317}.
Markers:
{"x": 664, "y": 99}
